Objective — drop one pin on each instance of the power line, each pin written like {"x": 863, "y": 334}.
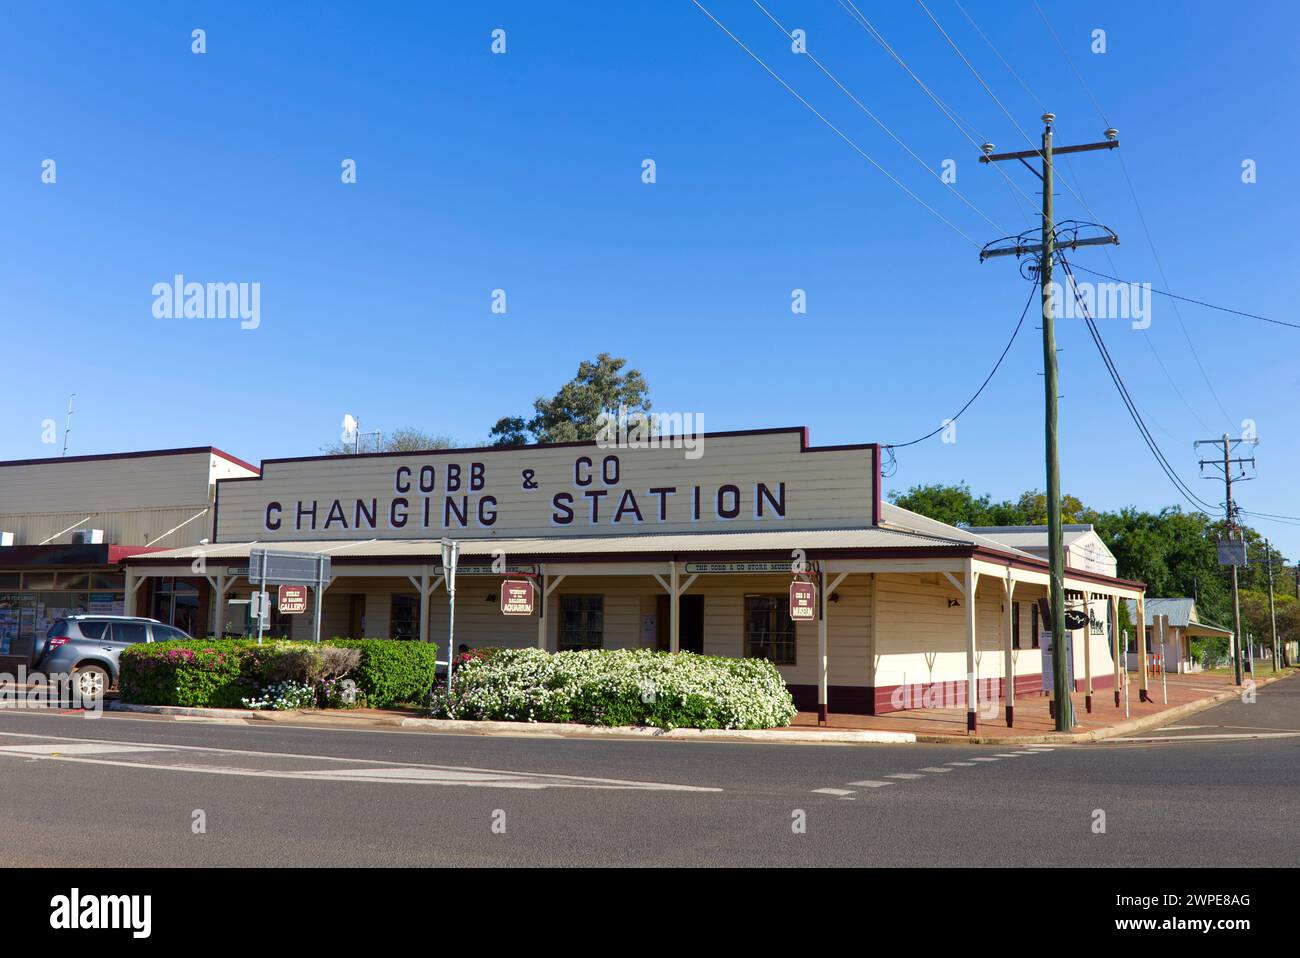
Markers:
{"x": 1197, "y": 302}
{"x": 842, "y": 135}
{"x": 875, "y": 119}
{"x": 976, "y": 140}
{"x": 1023, "y": 85}
{"x": 987, "y": 379}
{"x": 1186, "y": 491}
{"x": 956, "y": 49}
{"x": 1142, "y": 219}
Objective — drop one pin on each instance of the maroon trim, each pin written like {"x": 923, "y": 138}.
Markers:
{"x": 875, "y": 484}
{"x": 971, "y": 724}
{"x": 69, "y": 554}
{"x": 845, "y": 699}
{"x": 1011, "y": 716}
{"x": 145, "y": 454}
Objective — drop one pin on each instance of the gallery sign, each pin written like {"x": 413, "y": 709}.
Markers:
{"x": 292, "y": 599}
{"x": 803, "y": 601}
{"x": 517, "y": 596}
{"x": 756, "y": 480}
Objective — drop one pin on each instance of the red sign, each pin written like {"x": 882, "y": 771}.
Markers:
{"x": 517, "y": 596}
{"x": 293, "y": 599}
{"x": 803, "y": 601}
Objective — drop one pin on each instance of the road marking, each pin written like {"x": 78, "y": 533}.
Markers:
{"x": 934, "y": 768}
{"x": 76, "y": 748}
{"x": 1010, "y": 754}
{"x": 1170, "y": 728}
{"x": 981, "y": 758}
{"x": 961, "y": 764}
{"x": 55, "y": 748}
{"x": 904, "y": 775}
{"x": 1204, "y": 737}
{"x": 839, "y": 792}
{"x": 869, "y": 783}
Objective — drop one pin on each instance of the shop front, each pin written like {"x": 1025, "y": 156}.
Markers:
{"x": 654, "y": 548}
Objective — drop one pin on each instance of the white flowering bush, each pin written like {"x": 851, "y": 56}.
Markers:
{"x": 617, "y": 687}
{"x": 283, "y": 696}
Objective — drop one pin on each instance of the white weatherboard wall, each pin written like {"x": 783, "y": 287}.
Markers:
{"x": 533, "y": 491}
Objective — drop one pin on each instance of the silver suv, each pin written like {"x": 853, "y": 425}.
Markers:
{"x": 87, "y": 647}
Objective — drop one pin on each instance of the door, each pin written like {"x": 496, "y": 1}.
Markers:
{"x": 357, "y": 616}
{"x": 690, "y": 633}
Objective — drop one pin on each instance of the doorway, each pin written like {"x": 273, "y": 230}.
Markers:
{"x": 690, "y": 631}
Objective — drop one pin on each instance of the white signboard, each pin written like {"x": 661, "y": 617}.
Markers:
{"x": 1045, "y": 643}
{"x": 763, "y": 479}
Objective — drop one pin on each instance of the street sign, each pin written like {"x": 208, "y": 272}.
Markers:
{"x": 259, "y": 606}
{"x": 1232, "y": 552}
{"x": 288, "y": 568}
{"x": 293, "y": 599}
{"x": 517, "y": 596}
{"x": 1076, "y": 618}
{"x": 803, "y": 601}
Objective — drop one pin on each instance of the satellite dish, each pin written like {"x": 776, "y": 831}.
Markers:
{"x": 350, "y": 424}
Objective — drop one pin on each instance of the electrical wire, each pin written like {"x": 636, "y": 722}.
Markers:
{"x": 842, "y": 135}
{"x": 1185, "y": 490}
{"x": 1197, "y": 302}
{"x": 962, "y": 126}
{"x": 875, "y": 119}
{"x": 987, "y": 379}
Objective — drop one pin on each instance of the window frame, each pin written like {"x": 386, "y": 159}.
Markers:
{"x": 779, "y": 602}
{"x": 586, "y": 628}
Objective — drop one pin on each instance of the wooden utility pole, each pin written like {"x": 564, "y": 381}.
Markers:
{"x": 1227, "y": 464}
{"x": 1046, "y": 250}
{"x": 1272, "y": 612}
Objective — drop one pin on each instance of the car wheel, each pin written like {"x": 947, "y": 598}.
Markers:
{"x": 92, "y": 682}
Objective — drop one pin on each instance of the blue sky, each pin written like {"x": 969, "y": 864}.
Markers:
{"x": 523, "y": 172}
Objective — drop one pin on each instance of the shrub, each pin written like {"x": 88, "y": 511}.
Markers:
{"x": 283, "y": 696}
{"x": 392, "y": 671}
{"x": 222, "y": 673}
{"x": 619, "y": 687}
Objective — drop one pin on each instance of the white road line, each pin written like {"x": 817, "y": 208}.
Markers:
{"x": 1008, "y": 754}
{"x": 961, "y": 764}
{"x": 1194, "y": 738}
{"x": 981, "y": 758}
{"x": 76, "y": 748}
{"x": 934, "y": 768}
{"x": 833, "y": 791}
{"x": 904, "y": 775}
{"x": 869, "y": 783}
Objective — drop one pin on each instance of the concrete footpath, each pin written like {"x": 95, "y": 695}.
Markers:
{"x": 1154, "y": 717}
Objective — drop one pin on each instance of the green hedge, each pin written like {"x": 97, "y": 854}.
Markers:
{"x": 221, "y": 673}
{"x": 393, "y": 671}
{"x": 618, "y": 687}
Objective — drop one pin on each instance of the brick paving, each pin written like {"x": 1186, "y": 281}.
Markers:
{"x": 1031, "y": 711}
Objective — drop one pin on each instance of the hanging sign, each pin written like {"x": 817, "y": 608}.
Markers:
{"x": 293, "y": 599}
{"x": 803, "y": 601}
{"x": 517, "y": 596}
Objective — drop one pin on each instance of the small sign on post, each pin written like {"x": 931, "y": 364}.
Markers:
{"x": 803, "y": 601}
{"x": 293, "y": 599}
{"x": 517, "y": 596}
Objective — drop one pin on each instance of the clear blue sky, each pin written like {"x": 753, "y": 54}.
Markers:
{"x": 522, "y": 172}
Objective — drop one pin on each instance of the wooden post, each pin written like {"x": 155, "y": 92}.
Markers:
{"x": 1009, "y": 661}
{"x": 674, "y": 610}
{"x": 1117, "y": 662}
{"x": 1140, "y": 627}
{"x": 424, "y": 605}
{"x": 541, "y": 608}
{"x": 1087, "y": 655}
{"x": 972, "y": 692}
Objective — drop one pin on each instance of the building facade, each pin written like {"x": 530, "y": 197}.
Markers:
{"x": 67, "y": 525}
{"x": 654, "y": 545}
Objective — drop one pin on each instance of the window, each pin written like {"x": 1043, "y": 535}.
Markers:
{"x": 404, "y": 617}
{"x": 769, "y": 630}
{"x": 1034, "y": 623}
{"x": 129, "y": 632}
{"x": 1015, "y": 625}
{"x": 177, "y": 603}
{"x": 165, "y": 633}
{"x": 89, "y": 628}
{"x": 582, "y": 622}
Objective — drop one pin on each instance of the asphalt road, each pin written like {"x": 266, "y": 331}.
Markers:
{"x": 1221, "y": 789}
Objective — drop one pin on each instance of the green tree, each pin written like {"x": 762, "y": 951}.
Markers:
{"x": 574, "y": 413}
